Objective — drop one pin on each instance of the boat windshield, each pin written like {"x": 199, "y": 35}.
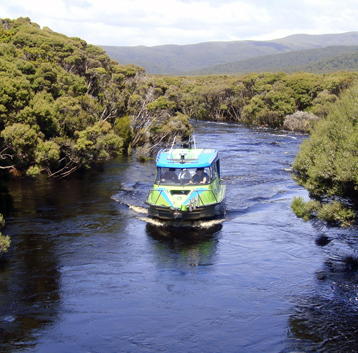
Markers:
{"x": 183, "y": 176}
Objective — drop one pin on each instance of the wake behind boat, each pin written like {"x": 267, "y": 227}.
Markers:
{"x": 187, "y": 184}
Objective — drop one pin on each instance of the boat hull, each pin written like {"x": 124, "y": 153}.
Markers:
{"x": 197, "y": 203}
{"x": 170, "y": 214}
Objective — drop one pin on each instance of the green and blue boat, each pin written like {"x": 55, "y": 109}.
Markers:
{"x": 187, "y": 184}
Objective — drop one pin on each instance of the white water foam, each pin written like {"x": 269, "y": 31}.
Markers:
{"x": 203, "y": 224}
{"x": 138, "y": 209}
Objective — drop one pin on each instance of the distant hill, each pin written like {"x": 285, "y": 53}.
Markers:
{"x": 347, "y": 62}
{"x": 181, "y": 59}
{"x": 321, "y": 60}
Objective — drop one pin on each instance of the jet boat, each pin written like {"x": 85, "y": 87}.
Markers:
{"x": 187, "y": 184}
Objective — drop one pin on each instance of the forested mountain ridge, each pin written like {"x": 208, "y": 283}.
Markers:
{"x": 321, "y": 60}
{"x": 181, "y": 59}
{"x": 302, "y": 41}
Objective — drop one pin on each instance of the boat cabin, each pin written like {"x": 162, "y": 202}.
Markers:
{"x": 186, "y": 167}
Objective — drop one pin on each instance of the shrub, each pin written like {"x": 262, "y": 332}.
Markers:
{"x": 322, "y": 104}
{"x": 330, "y": 212}
{"x": 327, "y": 163}
{"x": 143, "y": 153}
{"x": 336, "y": 212}
{"x": 304, "y": 210}
{"x": 2, "y": 222}
{"x": 4, "y": 239}
{"x": 4, "y": 243}
{"x": 122, "y": 128}
{"x": 299, "y": 121}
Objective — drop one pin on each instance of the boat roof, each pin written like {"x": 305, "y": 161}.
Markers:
{"x": 187, "y": 158}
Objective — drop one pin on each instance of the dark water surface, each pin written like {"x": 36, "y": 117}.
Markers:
{"x": 88, "y": 273}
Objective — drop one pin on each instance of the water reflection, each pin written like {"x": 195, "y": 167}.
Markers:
{"x": 30, "y": 278}
{"x": 184, "y": 245}
{"x": 327, "y": 320}
{"x": 30, "y": 295}
{"x": 6, "y": 201}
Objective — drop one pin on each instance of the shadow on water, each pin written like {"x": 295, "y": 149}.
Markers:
{"x": 327, "y": 320}
{"x": 30, "y": 276}
{"x": 6, "y": 201}
{"x": 190, "y": 246}
{"x": 30, "y": 300}
{"x": 185, "y": 234}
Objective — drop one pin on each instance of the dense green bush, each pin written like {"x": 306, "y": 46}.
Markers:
{"x": 264, "y": 99}
{"x": 327, "y": 163}
{"x": 65, "y": 104}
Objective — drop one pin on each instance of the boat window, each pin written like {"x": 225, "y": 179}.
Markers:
{"x": 190, "y": 176}
{"x": 213, "y": 172}
{"x": 218, "y": 167}
{"x": 184, "y": 176}
{"x": 168, "y": 176}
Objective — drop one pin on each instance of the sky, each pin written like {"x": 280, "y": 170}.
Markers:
{"x": 158, "y": 22}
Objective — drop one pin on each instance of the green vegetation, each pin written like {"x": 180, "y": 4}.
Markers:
{"x": 265, "y": 99}
{"x": 327, "y": 164}
{"x": 4, "y": 239}
{"x": 333, "y": 212}
{"x": 65, "y": 104}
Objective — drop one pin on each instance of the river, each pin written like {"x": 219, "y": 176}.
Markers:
{"x": 89, "y": 272}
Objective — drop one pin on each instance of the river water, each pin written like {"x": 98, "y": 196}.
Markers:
{"x": 89, "y": 272}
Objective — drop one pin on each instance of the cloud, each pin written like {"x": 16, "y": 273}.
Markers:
{"x": 143, "y": 22}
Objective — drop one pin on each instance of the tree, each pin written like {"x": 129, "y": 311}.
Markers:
{"x": 20, "y": 141}
{"x": 97, "y": 142}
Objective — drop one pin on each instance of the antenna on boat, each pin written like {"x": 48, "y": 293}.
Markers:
{"x": 171, "y": 148}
